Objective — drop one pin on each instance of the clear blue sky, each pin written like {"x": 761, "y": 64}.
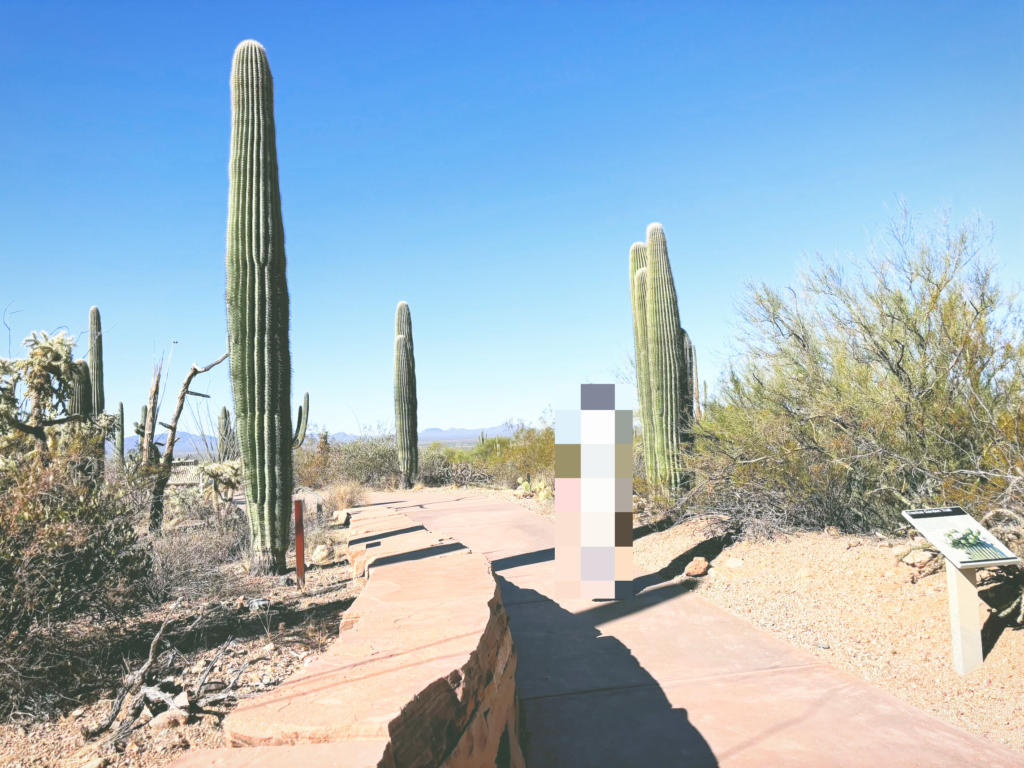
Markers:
{"x": 488, "y": 163}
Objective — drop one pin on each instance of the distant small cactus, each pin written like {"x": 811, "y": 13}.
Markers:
{"x": 405, "y": 397}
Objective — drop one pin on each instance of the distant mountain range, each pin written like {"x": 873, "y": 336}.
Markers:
{"x": 190, "y": 445}
{"x": 435, "y": 435}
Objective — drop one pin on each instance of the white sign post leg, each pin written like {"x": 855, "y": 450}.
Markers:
{"x": 963, "y": 618}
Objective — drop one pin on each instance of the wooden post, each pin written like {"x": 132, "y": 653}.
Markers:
{"x": 964, "y": 620}
{"x": 300, "y": 551}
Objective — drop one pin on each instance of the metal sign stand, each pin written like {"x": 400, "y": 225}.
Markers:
{"x": 966, "y": 546}
{"x": 964, "y": 620}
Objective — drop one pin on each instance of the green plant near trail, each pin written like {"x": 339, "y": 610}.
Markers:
{"x": 81, "y": 393}
{"x": 119, "y": 434}
{"x": 227, "y": 440}
{"x": 664, "y": 361}
{"x": 96, "y": 361}
{"x": 257, "y": 308}
{"x": 405, "y": 397}
{"x": 300, "y": 428}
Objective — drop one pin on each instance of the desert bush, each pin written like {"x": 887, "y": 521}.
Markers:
{"x": 859, "y": 393}
{"x": 66, "y": 550}
{"x": 316, "y": 466}
{"x": 370, "y": 461}
{"x": 530, "y": 450}
{"x": 343, "y": 496}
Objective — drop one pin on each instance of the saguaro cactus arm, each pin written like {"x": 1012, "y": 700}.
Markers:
{"x": 300, "y": 427}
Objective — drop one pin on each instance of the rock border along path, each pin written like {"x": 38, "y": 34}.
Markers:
{"x": 423, "y": 673}
{"x": 668, "y": 679}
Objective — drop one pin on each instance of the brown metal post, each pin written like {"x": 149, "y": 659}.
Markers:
{"x": 300, "y": 550}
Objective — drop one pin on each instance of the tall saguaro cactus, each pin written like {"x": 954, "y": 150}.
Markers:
{"x": 257, "y": 308}
{"x": 96, "y": 360}
{"x": 664, "y": 360}
{"x": 638, "y": 291}
{"x": 119, "y": 435}
{"x": 405, "y": 397}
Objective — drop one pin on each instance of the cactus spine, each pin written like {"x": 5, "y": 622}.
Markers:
{"x": 405, "y": 397}
{"x": 257, "y": 308}
{"x": 96, "y": 360}
{"x": 300, "y": 427}
{"x": 664, "y": 358}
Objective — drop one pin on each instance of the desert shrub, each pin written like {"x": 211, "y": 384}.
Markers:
{"x": 530, "y": 450}
{"x": 316, "y": 466}
{"x": 66, "y": 550}
{"x": 370, "y": 460}
{"x": 199, "y": 562}
{"x": 343, "y": 496}
{"x": 860, "y": 393}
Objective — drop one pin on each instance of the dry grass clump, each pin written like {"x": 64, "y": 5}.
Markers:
{"x": 338, "y": 496}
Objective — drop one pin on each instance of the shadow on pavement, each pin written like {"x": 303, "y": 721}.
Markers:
{"x": 588, "y": 700}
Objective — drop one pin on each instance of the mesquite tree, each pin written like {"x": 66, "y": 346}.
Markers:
{"x": 405, "y": 397}
{"x": 257, "y": 309}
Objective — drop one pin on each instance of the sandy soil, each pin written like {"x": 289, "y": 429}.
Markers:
{"x": 298, "y": 626}
{"x": 852, "y": 602}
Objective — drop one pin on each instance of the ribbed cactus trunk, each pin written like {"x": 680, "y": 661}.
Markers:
{"x": 638, "y": 291}
{"x": 405, "y": 397}
{"x": 96, "y": 360}
{"x": 257, "y": 307}
{"x": 670, "y": 364}
{"x": 96, "y": 381}
{"x": 227, "y": 440}
{"x": 119, "y": 435}
{"x": 81, "y": 392}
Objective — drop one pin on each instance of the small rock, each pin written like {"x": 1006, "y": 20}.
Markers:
{"x": 77, "y": 713}
{"x": 734, "y": 562}
{"x": 258, "y": 604}
{"x": 285, "y": 581}
{"x": 181, "y": 701}
{"x": 179, "y": 741}
{"x": 321, "y": 555}
{"x": 919, "y": 558}
{"x": 98, "y": 762}
{"x": 822, "y": 644}
{"x": 920, "y": 541}
{"x": 268, "y": 648}
{"x": 172, "y": 718}
{"x": 901, "y": 551}
{"x": 697, "y": 567}
{"x": 267, "y": 680}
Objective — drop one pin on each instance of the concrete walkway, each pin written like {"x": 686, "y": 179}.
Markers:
{"x": 668, "y": 679}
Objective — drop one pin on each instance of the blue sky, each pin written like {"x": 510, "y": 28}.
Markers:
{"x": 488, "y": 163}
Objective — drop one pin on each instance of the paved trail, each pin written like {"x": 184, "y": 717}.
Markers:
{"x": 668, "y": 679}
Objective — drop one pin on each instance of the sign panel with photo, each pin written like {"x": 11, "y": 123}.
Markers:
{"x": 960, "y": 538}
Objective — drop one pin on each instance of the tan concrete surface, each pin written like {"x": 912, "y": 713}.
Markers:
{"x": 668, "y": 679}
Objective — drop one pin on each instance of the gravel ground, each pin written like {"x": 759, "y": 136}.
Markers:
{"x": 853, "y": 603}
{"x": 299, "y": 626}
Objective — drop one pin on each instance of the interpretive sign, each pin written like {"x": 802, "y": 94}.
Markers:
{"x": 967, "y": 546}
{"x": 961, "y": 539}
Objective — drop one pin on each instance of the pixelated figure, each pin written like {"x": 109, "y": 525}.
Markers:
{"x": 594, "y": 498}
